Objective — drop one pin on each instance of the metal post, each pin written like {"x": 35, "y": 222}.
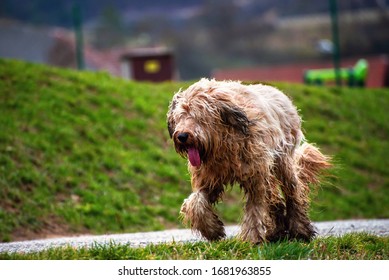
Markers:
{"x": 335, "y": 39}
{"x": 78, "y": 33}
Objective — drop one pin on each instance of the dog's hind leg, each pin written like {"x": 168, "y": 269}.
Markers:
{"x": 256, "y": 213}
{"x": 296, "y": 200}
{"x": 197, "y": 211}
{"x": 279, "y": 230}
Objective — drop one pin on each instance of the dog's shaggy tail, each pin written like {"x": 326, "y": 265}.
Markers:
{"x": 311, "y": 164}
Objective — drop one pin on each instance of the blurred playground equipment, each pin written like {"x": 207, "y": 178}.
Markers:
{"x": 353, "y": 77}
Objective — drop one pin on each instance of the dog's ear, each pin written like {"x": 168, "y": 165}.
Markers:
{"x": 171, "y": 125}
{"x": 235, "y": 117}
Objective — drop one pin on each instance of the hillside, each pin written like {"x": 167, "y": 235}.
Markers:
{"x": 84, "y": 152}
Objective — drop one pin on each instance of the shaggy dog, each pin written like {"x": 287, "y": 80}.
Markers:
{"x": 250, "y": 135}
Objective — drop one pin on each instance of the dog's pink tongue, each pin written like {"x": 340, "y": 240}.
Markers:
{"x": 194, "y": 157}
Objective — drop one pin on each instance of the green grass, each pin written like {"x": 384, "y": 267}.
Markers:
{"x": 84, "y": 152}
{"x": 348, "y": 247}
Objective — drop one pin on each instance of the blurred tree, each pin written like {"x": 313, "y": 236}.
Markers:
{"x": 111, "y": 30}
{"x": 219, "y": 17}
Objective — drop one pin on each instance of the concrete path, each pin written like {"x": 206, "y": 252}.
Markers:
{"x": 337, "y": 228}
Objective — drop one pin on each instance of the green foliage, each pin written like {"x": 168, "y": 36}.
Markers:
{"x": 86, "y": 152}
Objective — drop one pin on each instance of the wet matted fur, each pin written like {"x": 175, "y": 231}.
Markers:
{"x": 250, "y": 135}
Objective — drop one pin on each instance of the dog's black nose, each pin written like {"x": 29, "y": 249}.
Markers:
{"x": 183, "y": 137}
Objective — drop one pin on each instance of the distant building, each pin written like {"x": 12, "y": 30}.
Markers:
{"x": 149, "y": 64}
{"x": 56, "y": 46}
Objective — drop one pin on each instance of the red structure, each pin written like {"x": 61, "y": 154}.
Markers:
{"x": 150, "y": 64}
{"x": 378, "y": 72}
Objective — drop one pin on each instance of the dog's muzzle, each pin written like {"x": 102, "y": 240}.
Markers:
{"x": 184, "y": 142}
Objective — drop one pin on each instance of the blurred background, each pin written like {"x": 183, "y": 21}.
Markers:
{"x": 87, "y": 152}
{"x": 243, "y": 39}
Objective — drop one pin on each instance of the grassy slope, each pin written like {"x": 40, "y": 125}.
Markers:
{"x": 85, "y": 152}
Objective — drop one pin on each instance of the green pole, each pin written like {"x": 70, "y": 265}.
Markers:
{"x": 335, "y": 40}
{"x": 78, "y": 33}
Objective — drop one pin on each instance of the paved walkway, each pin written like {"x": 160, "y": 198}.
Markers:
{"x": 337, "y": 228}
